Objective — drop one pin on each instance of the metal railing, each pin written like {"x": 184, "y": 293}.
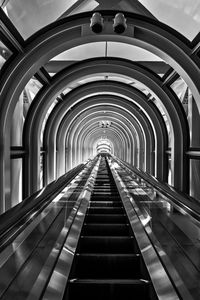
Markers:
{"x": 179, "y": 200}
{"x": 13, "y": 221}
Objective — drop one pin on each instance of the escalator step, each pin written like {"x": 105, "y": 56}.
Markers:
{"x": 98, "y": 265}
{"x": 106, "y": 218}
{"x": 107, "y": 183}
{"x": 102, "y": 179}
{"x": 105, "y": 198}
{"x": 105, "y": 203}
{"x": 105, "y": 194}
{"x": 105, "y": 289}
{"x": 105, "y": 229}
{"x": 104, "y": 189}
{"x": 107, "y": 263}
{"x": 108, "y": 244}
{"x": 105, "y": 210}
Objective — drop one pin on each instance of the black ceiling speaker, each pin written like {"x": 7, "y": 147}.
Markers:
{"x": 96, "y": 23}
{"x": 119, "y": 25}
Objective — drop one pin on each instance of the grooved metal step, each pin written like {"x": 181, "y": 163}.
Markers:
{"x": 105, "y": 229}
{"x": 108, "y": 289}
{"x": 107, "y": 263}
{"x": 108, "y": 244}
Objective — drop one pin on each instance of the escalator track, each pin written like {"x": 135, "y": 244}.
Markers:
{"x": 107, "y": 263}
{"x": 87, "y": 244}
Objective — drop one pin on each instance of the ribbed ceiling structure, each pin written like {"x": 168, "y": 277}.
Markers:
{"x": 76, "y": 109}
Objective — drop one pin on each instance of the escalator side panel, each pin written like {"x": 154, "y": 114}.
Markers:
{"x": 108, "y": 263}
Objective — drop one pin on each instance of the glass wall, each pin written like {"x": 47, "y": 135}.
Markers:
{"x": 5, "y": 53}
{"x": 195, "y": 178}
{"x": 16, "y": 181}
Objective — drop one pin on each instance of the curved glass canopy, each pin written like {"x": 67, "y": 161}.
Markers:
{"x": 103, "y": 146}
{"x": 28, "y": 16}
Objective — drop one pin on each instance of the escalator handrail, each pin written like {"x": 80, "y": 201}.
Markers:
{"x": 33, "y": 204}
{"x": 177, "y": 198}
{"x": 162, "y": 283}
{"x": 65, "y": 258}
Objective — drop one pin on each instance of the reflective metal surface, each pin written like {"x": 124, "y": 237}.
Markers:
{"x": 36, "y": 248}
{"x": 180, "y": 201}
{"x": 162, "y": 284}
{"x": 13, "y": 221}
{"x": 173, "y": 232}
{"x": 37, "y": 262}
{"x": 58, "y": 280}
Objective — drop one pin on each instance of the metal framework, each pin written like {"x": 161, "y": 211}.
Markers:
{"x": 29, "y": 57}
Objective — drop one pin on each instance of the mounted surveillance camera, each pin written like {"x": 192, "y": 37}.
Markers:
{"x": 119, "y": 25}
{"x": 96, "y": 23}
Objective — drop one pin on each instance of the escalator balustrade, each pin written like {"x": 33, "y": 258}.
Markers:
{"x": 107, "y": 263}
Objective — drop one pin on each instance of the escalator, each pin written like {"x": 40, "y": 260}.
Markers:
{"x": 107, "y": 263}
{"x": 82, "y": 237}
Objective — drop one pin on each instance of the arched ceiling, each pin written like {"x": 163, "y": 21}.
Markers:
{"x": 146, "y": 117}
{"x": 30, "y": 15}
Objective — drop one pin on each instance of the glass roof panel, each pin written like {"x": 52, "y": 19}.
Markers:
{"x": 28, "y": 16}
{"x": 179, "y": 87}
{"x": 83, "y": 52}
{"x": 130, "y": 52}
{"x": 45, "y": 119}
{"x": 5, "y": 53}
{"x": 99, "y": 49}
{"x": 90, "y": 79}
{"x": 33, "y": 87}
{"x": 177, "y": 14}
{"x": 120, "y": 78}
{"x": 86, "y": 5}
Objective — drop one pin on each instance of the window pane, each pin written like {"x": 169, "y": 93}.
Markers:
{"x": 181, "y": 89}
{"x": 182, "y": 15}
{"x": 16, "y": 181}
{"x": 29, "y": 16}
{"x": 21, "y": 110}
{"x": 131, "y": 52}
{"x": 195, "y": 178}
{"x": 83, "y": 52}
{"x": 5, "y": 53}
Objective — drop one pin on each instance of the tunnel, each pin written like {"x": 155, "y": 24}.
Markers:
{"x": 100, "y": 148}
